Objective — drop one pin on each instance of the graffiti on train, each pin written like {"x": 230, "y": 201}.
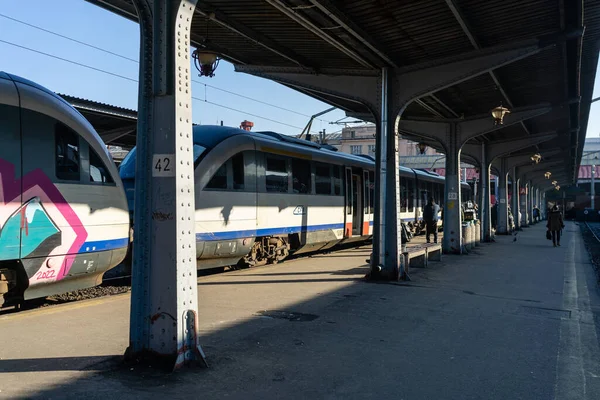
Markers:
{"x": 37, "y": 223}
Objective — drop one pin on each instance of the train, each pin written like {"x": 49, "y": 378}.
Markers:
{"x": 66, "y": 212}
{"x": 64, "y": 217}
{"x": 262, "y": 196}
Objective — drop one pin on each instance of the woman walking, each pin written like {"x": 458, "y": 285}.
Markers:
{"x": 555, "y": 224}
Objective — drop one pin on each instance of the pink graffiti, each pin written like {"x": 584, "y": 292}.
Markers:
{"x": 36, "y": 183}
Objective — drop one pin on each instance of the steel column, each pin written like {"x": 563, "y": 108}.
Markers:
{"x": 486, "y": 228}
{"x": 516, "y": 185}
{"x": 502, "y": 205}
{"x": 524, "y": 208}
{"x": 530, "y": 203}
{"x": 164, "y": 298}
{"x": 544, "y": 205}
{"x": 387, "y": 245}
{"x": 593, "y": 188}
{"x": 537, "y": 201}
{"x": 452, "y": 240}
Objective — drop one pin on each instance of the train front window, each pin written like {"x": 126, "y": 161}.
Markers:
{"x": 67, "y": 153}
{"x": 198, "y": 151}
{"x": 219, "y": 179}
{"x": 98, "y": 171}
{"x": 276, "y": 175}
{"x": 301, "y": 176}
{"x": 237, "y": 164}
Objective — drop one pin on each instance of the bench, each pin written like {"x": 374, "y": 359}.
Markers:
{"x": 434, "y": 251}
{"x": 415, "y": 256}
{"x": 419, "y": 255}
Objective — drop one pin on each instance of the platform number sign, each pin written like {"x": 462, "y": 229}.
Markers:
{"x": 163, "y": 165}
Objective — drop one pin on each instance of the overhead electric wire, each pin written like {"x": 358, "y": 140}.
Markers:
{"x": 136, "y": 81}
{"x": 247, "y": 113}
{"x": 69, "y": 38}
{"x": 137, "y": 62}
{"x": 258, "y": 101}
{"x": 69, "y": 61}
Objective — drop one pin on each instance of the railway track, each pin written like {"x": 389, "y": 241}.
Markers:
{"x": 591, "y": 238}
{"x": 594, "y": 228}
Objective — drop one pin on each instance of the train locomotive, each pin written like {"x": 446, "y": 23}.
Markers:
{"x": 63, "y": 213}
{"x": 261, "y": 196}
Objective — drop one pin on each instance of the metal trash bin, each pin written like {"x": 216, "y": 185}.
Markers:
{"x": 471, "y": 235}
{"x": 465, "y": 236}
{"x": 478, "y": 233}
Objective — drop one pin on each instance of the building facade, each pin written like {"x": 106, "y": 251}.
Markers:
{"x": 361, "y": 140}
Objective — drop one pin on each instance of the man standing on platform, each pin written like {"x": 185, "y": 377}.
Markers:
{"x": 430, "y": 216}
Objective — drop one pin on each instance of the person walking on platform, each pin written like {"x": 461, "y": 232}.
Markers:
{"x": 555, "y": 225}
{"x": 430, "y": 216}
{"x": 536, "y": 214}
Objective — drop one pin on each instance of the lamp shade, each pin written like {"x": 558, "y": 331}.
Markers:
{"x": 207, "y": 57}
{"x": 498, "y": 113}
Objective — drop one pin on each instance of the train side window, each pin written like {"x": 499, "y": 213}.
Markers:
{"x": 219, "y": 179}
{"x": 276, "y": 175}
{"x": 237, "y": 164}
{"x": 98, "y": 171}
{"x": 366, "y": 193}
{"x": 337, "y": 181}
{"x": 322, "y": 178}
{"x": 301, "y": 176}
{"x": 411, "y": 194}
{"x": 372, "y": 192}
{"x": 403, "y": 195}
{"x": 67, "y": 153}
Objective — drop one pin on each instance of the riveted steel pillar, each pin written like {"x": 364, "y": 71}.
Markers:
{"x": 388, "y": 244}
{"x": 523, "y": 203}
{"x": 502, "y": 206}
{"x": 531, "y": 202}
{"x": 452, "y": 240}
{"x": 516, "y": 185}
{"x": 164, "y": 298}
{"x": 544, "y": 205}
{"x": 484, "y": 207}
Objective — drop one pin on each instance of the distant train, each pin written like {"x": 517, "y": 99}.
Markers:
{"x": 261, "y": 196}
{"x": 63, "y": 212}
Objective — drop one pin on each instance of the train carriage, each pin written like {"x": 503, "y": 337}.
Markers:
{"x": 63, "y": 211}
{"x": 261, "y": 196}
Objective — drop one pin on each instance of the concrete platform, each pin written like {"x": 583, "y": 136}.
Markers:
{"x": 512, "y": 320}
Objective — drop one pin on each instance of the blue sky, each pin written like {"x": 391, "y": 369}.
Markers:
{"x": 87, "y": 23}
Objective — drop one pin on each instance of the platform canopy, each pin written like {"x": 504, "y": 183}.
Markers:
{"x": 116, "y": 126}
{"x": 325, "y": 35}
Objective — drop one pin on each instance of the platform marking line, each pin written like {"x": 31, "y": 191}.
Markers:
{"x": 571, "y": 377}
{"x": 72, "y": 305}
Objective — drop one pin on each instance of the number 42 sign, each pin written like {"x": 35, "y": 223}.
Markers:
{"x": 163, "y": 165}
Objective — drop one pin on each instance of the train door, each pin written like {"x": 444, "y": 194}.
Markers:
{"x": 349, "y": 202}
{"x": 367, "y": 201}
{"x": 354, "y": 212}
{"x": 10, "y": 169}
{"x": 357, "y": 210}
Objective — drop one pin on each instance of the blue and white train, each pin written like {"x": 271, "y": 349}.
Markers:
{"x": 261, "y": 196}
{"x": 63, "y": 213}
